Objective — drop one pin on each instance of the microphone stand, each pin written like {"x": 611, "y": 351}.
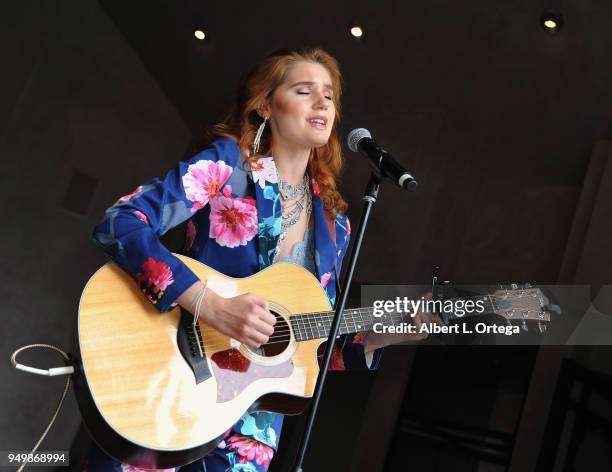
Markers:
{"x": 370, "y": 196}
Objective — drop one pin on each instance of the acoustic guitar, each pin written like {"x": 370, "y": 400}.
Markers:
{"x": 156, "y": 392}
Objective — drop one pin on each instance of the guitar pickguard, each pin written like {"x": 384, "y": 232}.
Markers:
{"x": 234, "y": 372}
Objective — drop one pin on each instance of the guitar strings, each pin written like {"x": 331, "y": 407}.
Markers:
{"x": 219, "y": 340}
{"x": 309, "y": 324}
{"x": 283, "y": 334}
{"x": 315, "y": 324}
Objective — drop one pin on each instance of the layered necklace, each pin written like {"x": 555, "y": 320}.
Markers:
{"x": 295, "y": 199}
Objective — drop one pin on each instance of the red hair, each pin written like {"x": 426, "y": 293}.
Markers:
{"x": 242, "y": 120}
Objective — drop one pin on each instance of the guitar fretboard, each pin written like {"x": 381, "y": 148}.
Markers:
{"x": 317, "y": 325}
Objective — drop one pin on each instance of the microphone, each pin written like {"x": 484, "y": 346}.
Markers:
{"x": 360, "y": 140}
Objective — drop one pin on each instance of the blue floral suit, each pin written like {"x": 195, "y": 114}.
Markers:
{"x": 233, "y": 215}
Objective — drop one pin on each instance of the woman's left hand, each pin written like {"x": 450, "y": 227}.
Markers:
{"x": 374, "y": 340}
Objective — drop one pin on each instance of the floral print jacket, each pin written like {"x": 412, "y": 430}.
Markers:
{"x": 234, "y": 221}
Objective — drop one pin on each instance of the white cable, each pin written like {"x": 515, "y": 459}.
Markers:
{"x": 50, "y": 372}
{"x": 66, "y": 370}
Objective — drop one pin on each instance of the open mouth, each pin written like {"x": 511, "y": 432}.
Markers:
{"x": 318, "y": 122}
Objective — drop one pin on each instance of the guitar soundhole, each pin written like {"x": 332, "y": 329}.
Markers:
{"x": 279, "y": 340}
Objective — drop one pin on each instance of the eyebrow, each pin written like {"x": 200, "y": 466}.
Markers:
{"x": 329, "y": 86}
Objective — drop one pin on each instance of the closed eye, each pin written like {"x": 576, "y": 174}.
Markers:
{"x": 308, "y": 93}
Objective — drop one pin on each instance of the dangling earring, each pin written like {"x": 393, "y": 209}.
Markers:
{"x": 258, "y": 135}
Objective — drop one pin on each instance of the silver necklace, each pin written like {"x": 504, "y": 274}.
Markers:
{"x": 289, "y": 191}
{"x": 295, "y": 198}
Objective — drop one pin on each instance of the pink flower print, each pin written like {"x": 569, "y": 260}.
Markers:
{"x": 233, "y": 221}
{"x": 129, "y": 196}
{"x": 264, "y": 169}
{"x": 141, "y": 216}
{"x": 337, "y": 359}
{"x": 203, "y": 181}
{"x": 325, "y": 279}
{"x": 131, "y": 468}
{"x": 154, "y": 279}
{"x": 348, "y": 227}
{"x": 190, "y": 235}
{"x": 249, "y": 449}
{"x": 316, "y": 191}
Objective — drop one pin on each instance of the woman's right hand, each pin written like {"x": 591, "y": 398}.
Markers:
{"x": 245, "y": 317}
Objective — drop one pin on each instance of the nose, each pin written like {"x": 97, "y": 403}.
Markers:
{"x": 322, "y": 102}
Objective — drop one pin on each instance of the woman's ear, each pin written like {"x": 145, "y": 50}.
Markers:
{"x": 263, "y": 110}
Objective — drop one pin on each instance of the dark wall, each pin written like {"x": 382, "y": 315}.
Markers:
{"x": 496, "y": 118}
{"x": 75, "y": 98}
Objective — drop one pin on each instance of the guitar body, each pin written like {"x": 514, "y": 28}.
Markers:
{"x": 142, "y": 400}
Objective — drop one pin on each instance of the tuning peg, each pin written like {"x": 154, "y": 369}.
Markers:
{"x": 513, "y": 286}
{"x": 552, "y": 308}
{"x": 526, "y": 285}
{"x": 435, "y": 275}
{"x": 445, "y": 289}
{"x": 524, "y": 326}
{"x": 541, "y": 327}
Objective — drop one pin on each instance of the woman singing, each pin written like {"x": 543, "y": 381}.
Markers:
{"x": 264, "y": 191}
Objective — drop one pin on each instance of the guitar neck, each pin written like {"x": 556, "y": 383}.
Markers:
{"x": 317, "y": 325}
{"x": 307, "y": 326}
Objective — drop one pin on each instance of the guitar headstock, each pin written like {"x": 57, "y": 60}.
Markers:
{"x": 523, "y": 304}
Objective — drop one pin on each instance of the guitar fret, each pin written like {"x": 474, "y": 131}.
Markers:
{"x": 310, "y": 327}
{"x": 296, "y": 328}
{"x": 320, "y": 325}
{"x": 301, "y": 328}
{"x": 306, "y": 326}
{"x": 491, "y": 302}
{"x": 362, "y": 321}
{"x": 354, "y": 322}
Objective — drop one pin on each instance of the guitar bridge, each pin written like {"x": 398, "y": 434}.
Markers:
{"x": 191, "y": 346}
{"x": 195, "y": 338}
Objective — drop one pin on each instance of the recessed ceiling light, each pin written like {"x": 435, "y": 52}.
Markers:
{"x": 551, "y": 21}
{"x": 357, "y": 31}
{"x": 200, "y": 34}
{"x": 550, "y": 24}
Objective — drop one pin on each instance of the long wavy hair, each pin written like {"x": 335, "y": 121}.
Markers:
{"x": 242, "y": 120}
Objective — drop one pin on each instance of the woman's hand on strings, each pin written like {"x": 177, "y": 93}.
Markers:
{"x": 374, "y": 341}
{"x": 245, "y": 317}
